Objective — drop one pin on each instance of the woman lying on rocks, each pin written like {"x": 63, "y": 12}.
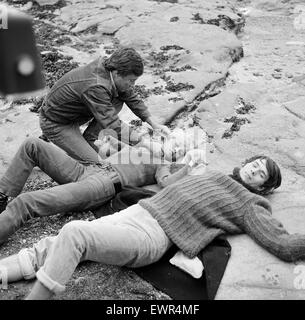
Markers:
{"x": 189, "y": 213}
{"x": 81, "y": 187}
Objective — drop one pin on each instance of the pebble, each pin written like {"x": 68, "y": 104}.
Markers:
{"x": 289, "y": 75}
{"x": 27, "y": 6}
{"x": 80, "y": 280}
{"x": 276, "y": 75}
{"x": 299, "y": 78}
{"x": 295, "y": 43}
{"x": 299, "y": 54}
{"x": 257, "y": 74}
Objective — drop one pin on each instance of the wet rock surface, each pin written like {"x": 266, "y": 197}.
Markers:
{"x": 234, "y": 68}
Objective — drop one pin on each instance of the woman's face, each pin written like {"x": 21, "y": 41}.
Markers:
{"x": 165, "y": 151}
{"x": 254, "y": 173}
{"x": 172, "y": 151}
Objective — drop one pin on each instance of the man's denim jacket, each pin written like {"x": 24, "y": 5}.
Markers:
{"x": 87, "y": 92}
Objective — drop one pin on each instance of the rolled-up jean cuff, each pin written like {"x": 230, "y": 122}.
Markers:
{"x": 26, "y": 266}
{"x": 48, "y": 282}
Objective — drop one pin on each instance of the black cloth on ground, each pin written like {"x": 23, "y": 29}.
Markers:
{"x": 162, "y": 274}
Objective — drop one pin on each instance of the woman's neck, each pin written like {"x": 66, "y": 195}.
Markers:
{"x": 236, "y": 176}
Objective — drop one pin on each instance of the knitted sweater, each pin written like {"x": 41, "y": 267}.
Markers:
{"x": 196, "y": 209}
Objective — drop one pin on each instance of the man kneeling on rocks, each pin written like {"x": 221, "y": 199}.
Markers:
{"x": 95, "y": 92}
{"x": 81, "y": 187}
{"x": 189, "y": 213}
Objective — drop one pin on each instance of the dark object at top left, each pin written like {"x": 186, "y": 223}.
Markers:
{"x": 20, "y": 64}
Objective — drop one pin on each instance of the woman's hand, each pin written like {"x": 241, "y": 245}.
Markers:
{"x": 156, "y": 149}
{"x": 194, "y": 157}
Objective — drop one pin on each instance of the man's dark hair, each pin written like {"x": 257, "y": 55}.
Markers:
{"x": 275, "y": 177}
{"x": 273, "y": 182}
{"x": 126, "y": 61}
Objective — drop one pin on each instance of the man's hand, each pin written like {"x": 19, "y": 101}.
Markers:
{"x": 136, "y": 136}
{"x": 194, "y": 157}
{"x": 164, "y": 129}
{"x": 156, "y": 126}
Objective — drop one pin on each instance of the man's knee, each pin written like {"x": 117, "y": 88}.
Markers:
{"x": 31, "y": 142}
{"x": 74, "y": 232}
{"x": 72, "y": 226}
{"x": 32, "y": 146}
{"x": 22, "y": 205}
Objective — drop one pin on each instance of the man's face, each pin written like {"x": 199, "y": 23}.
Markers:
{"x": 123, "y": 83}
{"x": 255, "y": 173}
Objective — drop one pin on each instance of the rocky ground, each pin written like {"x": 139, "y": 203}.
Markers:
{"x": 234, "y": 68}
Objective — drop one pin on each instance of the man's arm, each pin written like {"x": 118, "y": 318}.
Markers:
{"x": 139, "y": 108}
{"x": 136, "y": 105}
{"x": 164, "y": 177}
{"x": 271, "y": 235}
{"x": 98, "y": 101}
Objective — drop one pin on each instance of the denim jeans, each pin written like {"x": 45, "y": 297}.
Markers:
{"x": 81, "y": 187}
{"x": 131, "y": 237}
{"x": 69, "y": 138}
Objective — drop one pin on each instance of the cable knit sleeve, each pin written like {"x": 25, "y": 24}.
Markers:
{"x": 271, "y": 235}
